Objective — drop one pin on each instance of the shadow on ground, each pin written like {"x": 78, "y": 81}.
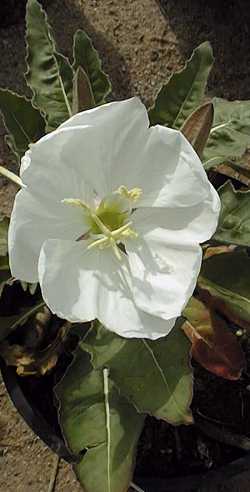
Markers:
{"x": 226, "y": 24}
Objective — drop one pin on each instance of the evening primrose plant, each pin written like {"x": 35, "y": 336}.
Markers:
{"x": 130, "y": 244}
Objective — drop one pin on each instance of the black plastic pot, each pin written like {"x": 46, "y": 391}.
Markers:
{"x": 36, "y": 420}
{"x": 48, "y": 430}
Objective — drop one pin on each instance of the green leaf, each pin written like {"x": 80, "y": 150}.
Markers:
{"x": 234, "y": 221}
{"x": 49, "y": 75}
{"x": 23, "y": 122}
{"x": 4, "y": 226}
{"x": 154, "y": 375}
{"x": 8, "y": 324}
{"x": 185, "y": 90}
{"x": 82, "y": 93}
{"x": 86, "y": 56}
{"x": 94, "y": 417}
{"x": 4, "y": 260}
{"x": 230, "y": 134}
{"x": 226, "y": 278}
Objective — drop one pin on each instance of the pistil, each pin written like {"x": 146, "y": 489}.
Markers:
{"x": 110, "y": 236}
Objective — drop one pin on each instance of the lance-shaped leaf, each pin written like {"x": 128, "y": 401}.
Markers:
{"x": 82, "y": 93}
{"x": 184, "y": 91}
{"x": 49, "y": 75}
{"x": 23, "y": 122}
{"x": 86, "y": 56}
{"x": 226, "y": 278}
{"x": 197, "y": 127}
{"x": 94, "y": 417}
{"x": 230, "y": 134}
{"x": 4, "y": 225}
{"x": 214, "y": 346}
{"x": 154, "y": 375}
{"x": 234, "y": 221}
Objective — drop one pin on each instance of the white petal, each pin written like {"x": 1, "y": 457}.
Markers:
{"x": 81, "y": 285}
{"x": 163, "y": 276}
{"x": 168, "y": 170}
{"x": 34, "y": 219}
{"x": 65, "y": 162}
{"x": 179, "y": 225}
{"x": 120, "y": 132}
{"x": 92, "y": 147}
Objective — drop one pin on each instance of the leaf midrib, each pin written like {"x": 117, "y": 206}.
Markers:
{"x": 156, "y": 363}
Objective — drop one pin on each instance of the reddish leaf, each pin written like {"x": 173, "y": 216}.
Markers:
{"x": 213, "y": 345}
{"x": 217, "y": 250}
{"x": 198, "y": 125}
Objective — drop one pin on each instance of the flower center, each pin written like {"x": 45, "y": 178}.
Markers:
{"x": 109, "y": 222}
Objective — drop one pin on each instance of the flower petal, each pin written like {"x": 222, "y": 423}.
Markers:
{"x": 81, "y": 285}
{"x": 168, "y": 170}
{"x": 120, "y": 132}
{"x": 179, "y": 225}
{"x": 34, "y": 219}
{"x": 163, "y": 276}
{"x": 91, "y": 147}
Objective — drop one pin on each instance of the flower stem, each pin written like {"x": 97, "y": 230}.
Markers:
{"x": 11, "y": 176}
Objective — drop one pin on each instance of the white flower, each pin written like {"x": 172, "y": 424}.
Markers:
{"x": 110, "y": 219}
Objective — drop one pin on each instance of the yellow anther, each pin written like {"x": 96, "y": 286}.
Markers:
{"x": 134, "y": 194}
{"x": 130, "y": 233}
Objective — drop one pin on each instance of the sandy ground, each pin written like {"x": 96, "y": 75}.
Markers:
{"x": 141, "y": 44}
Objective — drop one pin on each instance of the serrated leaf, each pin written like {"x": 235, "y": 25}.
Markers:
{"x": 49, "y": 75}
{"x": 4, "y": 260}
{"x": 154, "y": 375}
{"x": 197, "y": 127}
{"x": 4, "y": 226}
{"x": 214, "y": 346}
{"x": 86, "y": 56}
{"x": 23, "y": 122}
{"x": 82, "y": 93}
{"x": 230, "y": 134}
{"x": 184, "y": 91}
{"x": 94, "y": 417}
{"x": 9, "y": 140}
{"x": 226, "y": 278}
{"x": 234, "y": 221}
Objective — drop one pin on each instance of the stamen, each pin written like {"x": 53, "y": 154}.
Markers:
{"x": 121, "y": 230}
{"x": 112, "y": 237}
{"x": 76, "y": 203}
{"x": 100, "y": 243}
{"x": 108, "y": 235}
{"x": 134, "y": 194}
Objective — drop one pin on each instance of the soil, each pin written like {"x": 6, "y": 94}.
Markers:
{"x": 141, "y": 43}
